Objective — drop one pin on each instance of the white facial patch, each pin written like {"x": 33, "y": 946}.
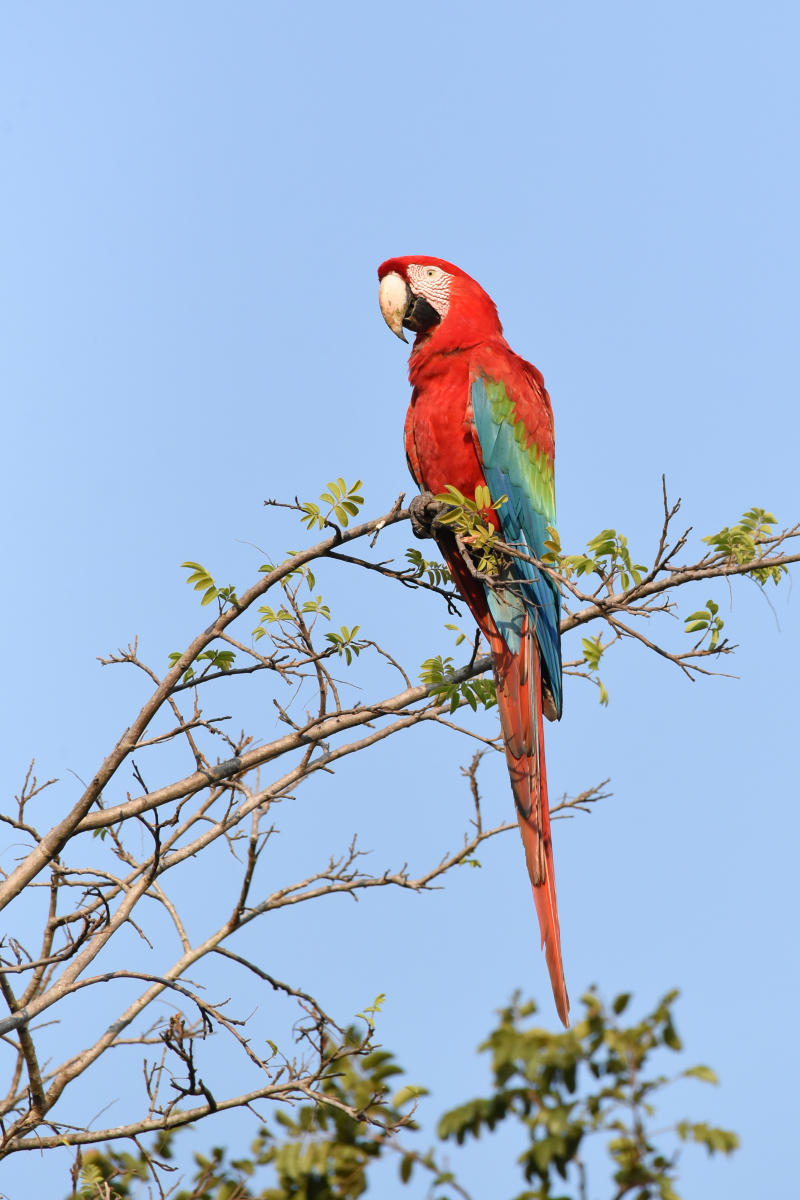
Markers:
{"x": 433, "y": 284}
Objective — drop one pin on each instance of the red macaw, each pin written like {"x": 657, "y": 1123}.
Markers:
{"x": 480, "y": 415}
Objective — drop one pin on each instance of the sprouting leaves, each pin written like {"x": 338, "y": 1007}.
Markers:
{"x": 345, "y": 642}
{"x": 299, "y": 573}
{"x": 462, "y": 637}
{"x": 220, "y": 660}
{"x": 593, "y": 650}
{"x": 344, "y": 503}
{"x": 315, "y": 608}
{"x": 203, "y": 582}
{"x": 705, "y": 620}
{"x": 373, "y": 1009}
{"x": 270, "y": 616}
{"x": 608, "y": 557}
{"x": 468, "y": 520}
{"x": 747, "y": 541}
{"x": 303, "y": 571}
{"x": 553, "y": 557}
{"x": 440, "y": 673}
{"x": 437, "y": 572}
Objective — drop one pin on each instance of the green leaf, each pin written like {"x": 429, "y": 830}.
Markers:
{"x": 374, "y": 1008}
{"x": 671, "y": 1038}
{"x": 593, "y": 649}
{"x": 703, "y": 1073}
{"x": 407, "y": 1094}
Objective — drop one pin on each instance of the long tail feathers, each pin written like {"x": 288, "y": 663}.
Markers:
{"x": 519, "y": 699}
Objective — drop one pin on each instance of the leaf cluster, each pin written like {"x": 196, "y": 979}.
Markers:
{"x": 440, "y": 672}
{"x": 290, "y": 583}
{"x": 608, "y": 557}
{"x": 593, "y": 650}
{"x": 203, "y": 582}
{"x": 220, "y": 660}
{"x": 437, "y": 573}
{"x": 748, "y": 541}
{"x": 706, "y": 621}
{"x": 114, "y": 1173}
{"x": 319, "y": 1152}
{"x": 344, "y": 503}
{"x": 561, "y": 1087}
{"x": 345, "y": 642}
{"x": 469, "y": 522}
{"x": 564, "y": 1087}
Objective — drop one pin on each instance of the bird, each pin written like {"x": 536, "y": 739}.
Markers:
{"x": 480, "y": 418}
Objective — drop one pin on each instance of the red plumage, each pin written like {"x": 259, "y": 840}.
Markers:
{"x": 443, "y": 448}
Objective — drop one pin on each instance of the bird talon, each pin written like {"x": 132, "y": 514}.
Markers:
{"x": 421, "y": 521}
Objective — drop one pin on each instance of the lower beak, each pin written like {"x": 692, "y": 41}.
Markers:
{"x": 395, "y": 299}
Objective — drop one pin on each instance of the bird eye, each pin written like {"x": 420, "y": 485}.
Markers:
{"x": 431, "y": 272}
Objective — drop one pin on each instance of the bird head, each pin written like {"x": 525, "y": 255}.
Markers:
{"x": 436, "y": 301}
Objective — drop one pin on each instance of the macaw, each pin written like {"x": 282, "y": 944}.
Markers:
{"x": 480, "y": 416}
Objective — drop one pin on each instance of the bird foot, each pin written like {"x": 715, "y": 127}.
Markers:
{"x": 423, "y": 511}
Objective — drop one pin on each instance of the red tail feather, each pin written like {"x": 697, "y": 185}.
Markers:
{"x": 519, "y": 699}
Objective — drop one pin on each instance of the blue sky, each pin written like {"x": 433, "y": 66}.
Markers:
{"x": 195, "y": 199}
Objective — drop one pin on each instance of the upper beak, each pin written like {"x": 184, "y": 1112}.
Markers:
{"x": 395, "y": 297}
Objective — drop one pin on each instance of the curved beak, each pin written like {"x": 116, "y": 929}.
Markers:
{"x": 403, "y": 308}
{"x": 395, "y": 298}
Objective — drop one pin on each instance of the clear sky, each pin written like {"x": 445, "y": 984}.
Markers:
{"x": 195, "y": 198}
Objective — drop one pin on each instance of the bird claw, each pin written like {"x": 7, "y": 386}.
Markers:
{"x": 421, "y": 518}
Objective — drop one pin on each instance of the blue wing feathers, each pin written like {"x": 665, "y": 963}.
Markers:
{"x": 523, "y": 521}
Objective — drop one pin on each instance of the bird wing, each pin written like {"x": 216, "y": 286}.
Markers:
{"x": 513, "y": 430}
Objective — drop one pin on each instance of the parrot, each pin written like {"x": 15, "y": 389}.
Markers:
{"x": 480, "y": 418}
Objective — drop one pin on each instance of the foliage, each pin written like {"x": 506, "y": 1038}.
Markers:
{"x": 564, "y": 1087}
{"x": 221, "y": 660}
{"x": 609, "y": 557}
{"x": 313, "y": 607}
{"x": 706, "y": 619}
{"x": 320, "y": 1153}
{"x": 345, "y": 643}
{"x": 110, "y": 1173}
{"x": 297, "y": 612}
{"x": 441, "y": 673}
{"x": 469, "y": 522}
{"x": 462, "y": 637}
{"x": 748, "y": 541}
{"x": 203, "y": 582}
{"x": 344, "y": 503}
{"x": 593, "y": 650}
{"x": 436, "y": 572}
